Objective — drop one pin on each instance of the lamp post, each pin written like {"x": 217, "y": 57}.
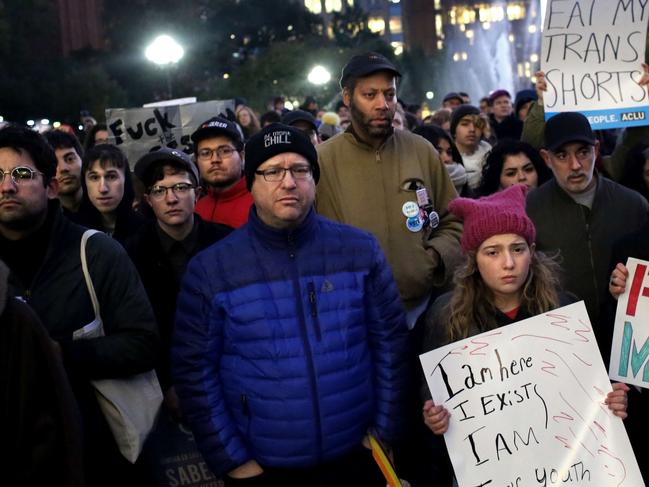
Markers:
{"x": 165, "y": 51}
{"x": 319, "y": 75}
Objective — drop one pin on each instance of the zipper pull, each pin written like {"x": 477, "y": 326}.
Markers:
{"x": 312, "y": 299}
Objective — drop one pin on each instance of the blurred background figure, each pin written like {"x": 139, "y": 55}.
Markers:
{"x": 248, "y": 121}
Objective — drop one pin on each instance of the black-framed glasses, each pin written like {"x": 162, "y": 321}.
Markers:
{"x": 222, "y": 152}
{"x": 179, "y": 189}
{"x": 20, "y": 174}
{"x": 276, "y": 174}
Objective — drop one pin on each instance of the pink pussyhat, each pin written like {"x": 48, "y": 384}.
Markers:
{"x": 496, "y": 214}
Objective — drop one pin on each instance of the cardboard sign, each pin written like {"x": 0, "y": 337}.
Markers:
{"x": 137, "y": 131}
{"x": 527, "y": 406}
{"x": 592, "y": 51}
{"x": 630, "y": 349}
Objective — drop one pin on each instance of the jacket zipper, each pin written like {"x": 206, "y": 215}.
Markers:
{"x": 592, "y": 262}
{"x": 307, "y": 348}
{"x": 314, "y": 310}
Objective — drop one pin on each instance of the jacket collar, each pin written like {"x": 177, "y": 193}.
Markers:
{"x": 351, "y": 134}
{"x": 272, "y": 237}
{"x": 231, "y": 193}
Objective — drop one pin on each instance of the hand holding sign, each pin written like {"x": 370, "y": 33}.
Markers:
{"x": 617, "y": 284}
{"x": 436, "y": 417}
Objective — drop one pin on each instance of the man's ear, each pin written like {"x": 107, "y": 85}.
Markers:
{"x": 347, "y": 97}
{"x": 52, "y": 189}
{"x": 146, "y": 198}
{"x": 597, "y": 145}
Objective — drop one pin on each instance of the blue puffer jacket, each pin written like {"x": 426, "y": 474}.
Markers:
{"x": 288, "y": 346}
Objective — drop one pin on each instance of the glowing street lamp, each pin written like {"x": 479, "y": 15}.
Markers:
{"x": 319, "y": 75}
{"x": 165, "y": 51}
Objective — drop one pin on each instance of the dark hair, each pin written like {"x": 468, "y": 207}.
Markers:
{"x": 157, "y": 173}
{"x": 63, "y": 140}
{"x": 105, "y": 155}
{"x": 89, "y": 141}
{"x": 433, "y": 133}
{"x": 21, "y": 139}
{"x": 269, "y": 117}
{"x": 632, "y": 177}
{"x": 492, "y": 169}
{"x": 339, "y": 105}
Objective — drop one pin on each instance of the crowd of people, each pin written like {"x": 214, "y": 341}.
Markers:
{"x": 283, "y": 279}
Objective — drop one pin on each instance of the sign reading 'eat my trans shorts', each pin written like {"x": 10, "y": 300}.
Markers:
{"x": 592, "y": 54}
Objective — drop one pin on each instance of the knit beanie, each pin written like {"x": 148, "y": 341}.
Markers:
{"x": 460, "y": 112}
{"x": 496, "y": 214}
{"x": 275, "y": 139}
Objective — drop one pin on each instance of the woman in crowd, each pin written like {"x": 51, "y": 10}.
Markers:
{"x": 512, "y": 162}
{"x": 108, "y": 194}
{"x": 503, "y": 280}
{"x": 248, "y": 121}
{"x": 448, "y": 154}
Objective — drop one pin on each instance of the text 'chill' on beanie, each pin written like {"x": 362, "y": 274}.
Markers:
{"x": 496, "y": 214}
{"x": 277, "y": 139}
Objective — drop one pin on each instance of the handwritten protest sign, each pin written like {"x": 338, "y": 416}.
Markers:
{"x": 592, "y": 52}
{"x": 527, "y": 406}
{"x": 139, "y": 130}
{"x": 630, "y": 350}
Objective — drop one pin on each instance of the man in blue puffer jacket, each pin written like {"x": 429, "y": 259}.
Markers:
{"x": 290, "y": 338}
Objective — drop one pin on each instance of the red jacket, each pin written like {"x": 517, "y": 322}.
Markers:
{"x": 229, "y": 207}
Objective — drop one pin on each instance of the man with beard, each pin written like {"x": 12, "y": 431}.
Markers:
{"x": 372, "y": 176}
{"x": 580, "y": 213}
{"x": 218, "y": 150}
{"x": 68, "y": 168}
{"x": 392, "y": 184}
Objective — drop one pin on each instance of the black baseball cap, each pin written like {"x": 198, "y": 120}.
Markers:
{"x": 146, "y": 164}
{"x": 218, "y": 126}
{"x": 289, "y": 118}
{"x": 365, "y": 64}
{"x": 567, "y": 127}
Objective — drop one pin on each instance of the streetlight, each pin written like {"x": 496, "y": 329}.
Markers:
{"x": 319, "y": 75}
{"x": 165, "y": 51}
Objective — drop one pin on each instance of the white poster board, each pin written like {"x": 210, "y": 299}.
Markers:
{"x": 630, "y": 349}
{"x": 592, "y": 52}
{"x": 527, "y": 406}
{"x": 139, "y": 130}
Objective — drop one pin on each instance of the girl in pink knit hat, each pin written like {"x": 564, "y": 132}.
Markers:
{"x": 504, "y": 280}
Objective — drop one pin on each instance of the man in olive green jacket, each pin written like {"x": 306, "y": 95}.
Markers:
{"x": 382, "y": 181}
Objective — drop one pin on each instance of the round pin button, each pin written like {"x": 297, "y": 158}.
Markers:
{"x": 414, "y": 224}
{"x": 410, "y": 209}
{"x": 433, "y": 218}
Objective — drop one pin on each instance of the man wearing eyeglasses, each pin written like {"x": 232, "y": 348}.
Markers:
{"x": 581, "y": 213}
{"x": 42, "y": 249}
{"x": 290, "y": 337}
{"x": 163, "y": 246}
{"x": 218, "y": 149}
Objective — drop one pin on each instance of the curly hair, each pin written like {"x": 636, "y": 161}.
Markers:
{"x": 472, "y": 302}
{"x": 493, "y": 167}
